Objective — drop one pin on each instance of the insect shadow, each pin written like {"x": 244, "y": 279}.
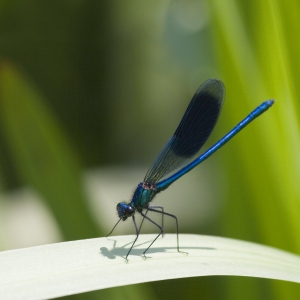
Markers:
{"x": 122, "y": 250}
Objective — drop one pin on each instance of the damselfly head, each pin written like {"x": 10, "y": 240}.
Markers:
{"x": 125, "y": 210}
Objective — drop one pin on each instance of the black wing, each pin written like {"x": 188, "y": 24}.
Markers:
{"x": 194, "y": 129}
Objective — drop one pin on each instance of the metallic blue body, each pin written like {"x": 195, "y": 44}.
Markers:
{"x": 162, "y": 185}
{"x": 142, "y": 196}
{"x": 175, "y": 159}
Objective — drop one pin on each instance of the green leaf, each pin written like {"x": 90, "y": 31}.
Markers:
{"x": 42, "y": 154}
{"x": 258, "y": 52}
{"x": 79, "y": 266}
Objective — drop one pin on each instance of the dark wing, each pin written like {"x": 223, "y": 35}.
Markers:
{"x": 194, "y": 129}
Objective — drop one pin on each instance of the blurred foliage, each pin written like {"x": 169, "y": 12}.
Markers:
{"x": 257, "y": 63}
{"x": 42, "y": 156}
{"x": 86, "y": 83}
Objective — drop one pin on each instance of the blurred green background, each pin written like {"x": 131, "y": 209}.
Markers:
{"x": 91, "y": 90}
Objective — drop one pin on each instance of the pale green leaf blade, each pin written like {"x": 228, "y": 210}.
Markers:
{"x": 74, "y": 267}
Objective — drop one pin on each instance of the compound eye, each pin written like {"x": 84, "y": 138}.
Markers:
{"x": 121, "y": 211}
{"x": 129, "y": 211}
{"x": 124, "y": 210}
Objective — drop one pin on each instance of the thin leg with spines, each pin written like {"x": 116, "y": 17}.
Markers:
{"x": 137, "y": 235}
{"x": 161, "y": 229}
